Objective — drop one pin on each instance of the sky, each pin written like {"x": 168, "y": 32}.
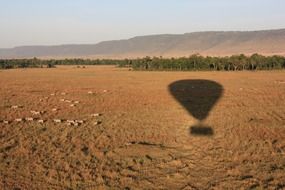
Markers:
{"x": 55, "y": 22}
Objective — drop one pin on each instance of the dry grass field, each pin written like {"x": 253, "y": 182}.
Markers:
{"x": 104, "y": 127}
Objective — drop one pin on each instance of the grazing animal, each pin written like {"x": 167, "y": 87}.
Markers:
{"x": 6, "y": 122}
{"x": 36, "y": 112}
{"x": 29, "y": 119}
{"x": 70, "y": 122}
{"x": 79, "y": 121}
{"x": 18, "y": 119}
{"x": 41, "y": 121}
{"x": 16, "y": 107}
{"x": 57, "y": 120}
{"x": 54, "y": 109}
{"x": 96, "y": 115}
{"x": 97, "y": 122}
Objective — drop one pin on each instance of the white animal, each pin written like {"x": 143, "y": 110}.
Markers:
{"x": 79, "y": 121}
{"x": 16, "y": 107}
{"x": 96, "y": 115}
{"x": 70, "y": 122}
{"x": 29, "y": 119}
{"x": 57, "y": 120}
{"x": 6, "y": 122}
{"x": 18, "y": 119}
{"x": 54, "y": 109}
{"x": 41, "y": 121}
{"x": 97, "y": 123}
{"x": 36, "y": 112}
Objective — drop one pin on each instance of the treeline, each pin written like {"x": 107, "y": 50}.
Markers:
{"x": 25, "y": 63}
{"x": 39, "y": 63}
{"x": 192, "y": 63}
{"x": 201, "y": 63}
{"x": 88, "y": 62}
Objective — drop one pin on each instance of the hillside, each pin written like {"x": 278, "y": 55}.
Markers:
{"x": 267, "y": 42}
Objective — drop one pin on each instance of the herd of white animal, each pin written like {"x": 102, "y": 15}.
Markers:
{"x": 37, "y": 114}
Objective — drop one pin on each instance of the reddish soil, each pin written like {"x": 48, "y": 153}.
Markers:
{"x": 144, "y": 140}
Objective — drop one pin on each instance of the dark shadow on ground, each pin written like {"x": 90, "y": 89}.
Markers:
{"x": 201, "y": 130}
{"x": 198, "y": 97}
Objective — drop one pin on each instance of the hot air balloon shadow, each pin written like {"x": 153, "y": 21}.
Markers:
{"x": 198, "y": 97}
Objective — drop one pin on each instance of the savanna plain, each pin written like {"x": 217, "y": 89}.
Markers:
{"x": 103, "y": 127}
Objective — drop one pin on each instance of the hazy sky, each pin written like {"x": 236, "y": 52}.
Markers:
{"x": 46, "y": 22}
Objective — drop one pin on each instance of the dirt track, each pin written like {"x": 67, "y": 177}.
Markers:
{"x": 145, "y": 139}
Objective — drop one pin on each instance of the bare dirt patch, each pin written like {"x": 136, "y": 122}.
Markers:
{"x": 133, "y": 133}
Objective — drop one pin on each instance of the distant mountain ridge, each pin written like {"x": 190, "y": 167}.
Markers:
{"x": 267, "y": 42}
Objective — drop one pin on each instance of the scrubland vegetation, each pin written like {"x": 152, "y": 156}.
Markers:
{"x": 191, "y": 63}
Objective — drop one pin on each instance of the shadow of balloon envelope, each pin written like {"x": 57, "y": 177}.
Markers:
{"x": 198, "y": 97}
